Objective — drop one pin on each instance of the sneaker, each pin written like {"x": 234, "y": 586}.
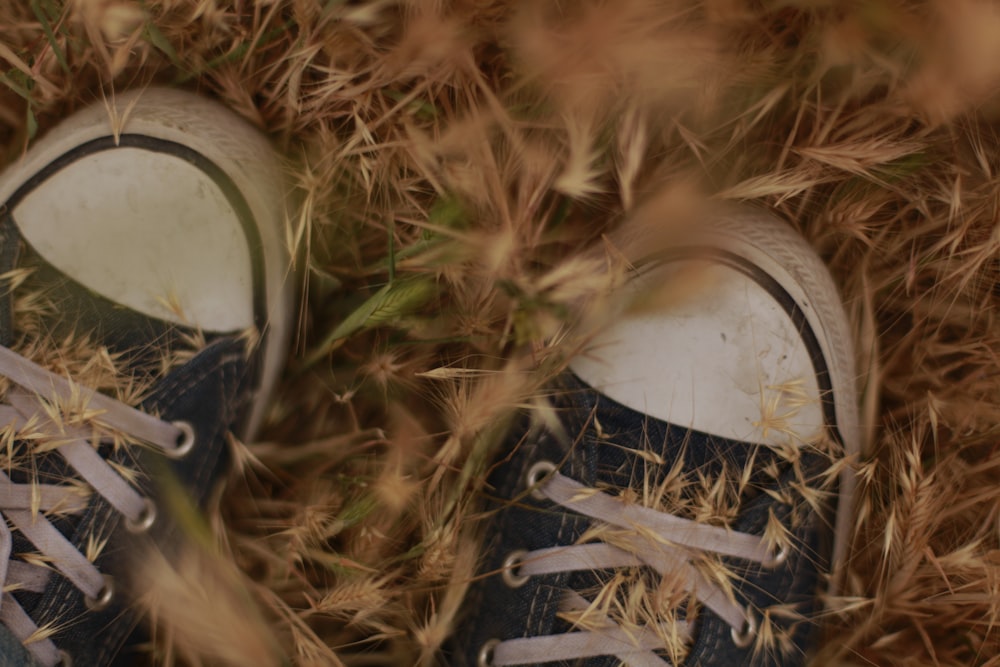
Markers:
{"x": 144, "y": 317}
{"x": 690, "y": 509}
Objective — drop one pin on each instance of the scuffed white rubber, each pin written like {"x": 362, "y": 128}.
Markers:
{"x": 146, "y": 230}
{"x": 191, "y": 246}
{"x": 724, "y": 360}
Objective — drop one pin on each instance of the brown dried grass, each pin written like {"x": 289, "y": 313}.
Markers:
{"x": 464, "y": 153}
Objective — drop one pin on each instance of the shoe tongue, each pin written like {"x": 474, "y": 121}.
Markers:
{"x": 619, "y": 450}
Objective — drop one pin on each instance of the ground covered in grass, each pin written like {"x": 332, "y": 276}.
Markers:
{"x": 452, "y": 160}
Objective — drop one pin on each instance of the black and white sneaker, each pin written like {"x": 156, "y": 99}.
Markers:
{"x": 692, "y": 509}
{"x": 144, "y": 316}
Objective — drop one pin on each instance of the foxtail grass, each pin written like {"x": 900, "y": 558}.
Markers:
{"x": 457, "y": 166}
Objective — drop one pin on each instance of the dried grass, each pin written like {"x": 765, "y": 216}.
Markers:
{"x": 455, "y": 158}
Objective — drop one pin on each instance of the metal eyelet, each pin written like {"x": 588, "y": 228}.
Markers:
{"x": 536, "y": 474}
{"x": 510, "y": 566}
{"x": 185, "y": 443}
{"x": 145, "y": 520}
{"x": 486, "y": 653}
{"x": 104, "y": 596}
{"x": 745, "y": 635}
{"x": 778, "y": 559}
{"x": 65, "y": 659}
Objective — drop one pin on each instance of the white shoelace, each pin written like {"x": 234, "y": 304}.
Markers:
{"x": 660, "y": 541}
{"x": 25, "y": 506}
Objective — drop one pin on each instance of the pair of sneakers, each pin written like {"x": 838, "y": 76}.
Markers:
{"x": 687, "y": 512}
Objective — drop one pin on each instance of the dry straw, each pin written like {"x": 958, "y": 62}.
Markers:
{"x": 456, "y": 163}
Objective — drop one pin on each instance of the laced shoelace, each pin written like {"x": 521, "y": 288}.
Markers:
{"x": 660, "y": 541}
{"x": 26, "y": 506}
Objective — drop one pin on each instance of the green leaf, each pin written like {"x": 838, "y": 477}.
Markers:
{"x": 388, "y": 305}
{"x": 46, "y": 23}
{"x": 10, "y": 79}
{"x": 561, "y": 213}
{"x": 447, "y": 212}
{"x": 420, "y": 108}
{"x": 32, "y": 123}
{"x": 156, "y": 37}
{"x": 392, "y": 249}
{"x": 355, "y": 512}
{"x": 238, "y": 52}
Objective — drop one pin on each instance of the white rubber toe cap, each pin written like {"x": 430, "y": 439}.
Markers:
{"x": 727, "y": 360}
{"x": 178, "y": 212}
{"x": 757, "y": 350}
{"x": 146, "y": 230}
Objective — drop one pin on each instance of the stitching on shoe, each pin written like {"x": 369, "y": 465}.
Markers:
{"x": 64, "y": 592}
{"x": 552, "y": 589}
{"x": 536, "y": 621}
{"x": 536, "y": 616}
{"x": 530, "y": 625}
{"x": 55, "y": 607}
{"x": 224, "y": 364}
{"x": 175, "y": 387}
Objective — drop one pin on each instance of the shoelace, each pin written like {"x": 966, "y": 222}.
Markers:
{"x": 654, "y": 539}
{"x": 25, "y": 505}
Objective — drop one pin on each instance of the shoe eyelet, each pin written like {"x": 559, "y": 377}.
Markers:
{"x": 185, "y": 441}
{"x": 145, "y": 520}
{"x": 536, "y": 474}
{"x": 104, "y": 596}
{"x": 485, "y": 658}
{"x": 510, "y": 566}
{"x": 778, "y": 559}
{"x": 65, "y": 659}
{"x": 746, "y": 634}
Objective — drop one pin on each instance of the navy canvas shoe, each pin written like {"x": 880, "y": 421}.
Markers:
{"x": 691, "y": 510}
{"x": 144, "y": 316}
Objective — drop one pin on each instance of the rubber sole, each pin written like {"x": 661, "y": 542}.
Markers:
{"x": 781, "y": 252}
